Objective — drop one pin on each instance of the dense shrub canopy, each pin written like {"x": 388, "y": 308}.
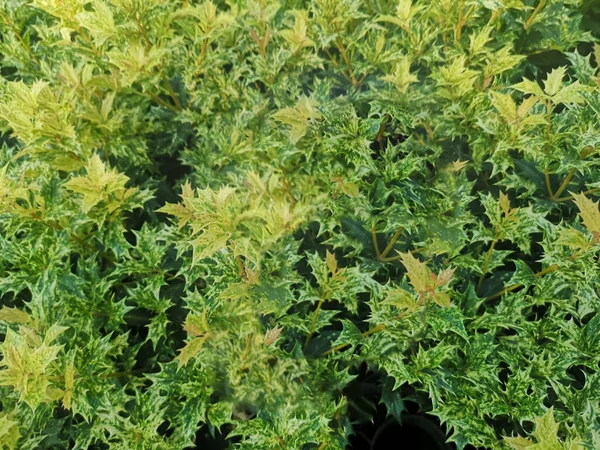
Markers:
{"x": 211, "y": 213}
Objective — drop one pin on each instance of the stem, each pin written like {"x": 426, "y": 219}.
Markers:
{"x": 20, "y": 39}
{"x": 373, "y": 330}
{"x": 397, "y": 257}
{"x": 344, "y": 53}
{"x": 547, "y": 147}
{"x": 202, "y": 53}
{"x": 459, "y": 22}
{"x": 375, "y": 244}
{"x": 462, "y": 20}
{"x": 494, "y": 16}
{"x": 158, "y": 100}
{"x": 570, "y": 175}
{"x": 125, "y": 316}
{"x": 89, "y": 41}
{"x": 379, "y": 137}
{"x": 313, "y": 322}
{"x": 488, "y": 258}
{"x": 535, "y": 12}
{"x": 565, "y": 183}
{"x": 547, "y": 270}
{"x": 172, "y": 94}
{"x": 238, "y": 260}
{"x": 122, "y": 374}
{"x": 392, "y": 242}
{"x": 566, "y": 199}
{"x": 246, "y": 351}
{"x": 548, "y": 185}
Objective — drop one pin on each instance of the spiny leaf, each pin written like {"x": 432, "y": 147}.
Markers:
{"x": 14, "y": 315}
{"x": 99, "y": 185}
{"x": 421, "y": 278}
{"x": 298, "y": 117}
{"x": 553, "y": 82}
{"x": 589, "y": 213}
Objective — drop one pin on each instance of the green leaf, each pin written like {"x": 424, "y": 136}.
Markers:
{"x": 350, "y": 335}
{"x": 443, "y": 320}
{"x": 392, "y": 399}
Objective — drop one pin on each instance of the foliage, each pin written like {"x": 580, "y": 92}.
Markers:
{"x": 213, "y": 212}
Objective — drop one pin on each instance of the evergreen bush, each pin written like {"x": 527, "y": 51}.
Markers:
{"x": 213, "y": 212}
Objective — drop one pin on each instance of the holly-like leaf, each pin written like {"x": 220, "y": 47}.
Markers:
{"x": 14, "y": 315}
{"x": 589, "y": 213}
{"x": 191, "y": 350}
{"x": 420, "y": 276}
{"x": 272, "y": 335}
{"x": 101, "y": 185}
{"x": 401, "y": 299}
{"x": 519, "y": 443}
{"x": 299, "y": 117}
{"x": 529, "y": 87}
{"x": 553, "y": 82}
{"x": 9, "y": 432}
{"x": 506, "y": 106}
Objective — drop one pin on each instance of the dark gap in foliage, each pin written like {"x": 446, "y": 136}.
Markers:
{"x": 176, "y": 315}
{"x": 210, "y": 438}
{"x": 171, "y": 167}
{"x": 504, "y": 373}
{"x": 370, "y": 417}
{"x": 384, "y": 141}
{"x": 537, "y": 312}
{"x": 7, "y": 138}
{"x": 73, "y": 260}
{"x": 164, "y": 429}
{"x": 539, "y": 64}
{"x": 577, "y": 376}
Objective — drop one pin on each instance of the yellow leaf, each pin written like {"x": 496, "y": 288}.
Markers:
{"x": 350, "y": 189}
{"x": 9, "y": 432}
{"x": 272, "y": 335}
{"x": 570, "y": 94}
{"x": 444, "y": 277}
{"x": 331, "y": 262}
{"x": 196, "y": 325}
{"x": 69, "y": 385}
{"x": 421, "y": 278}
{"x": 458, "y": 165}
{"x": 190, "y": 350}
{"x": 519, "y": 443}
{"x": 588, "y": 210}
{"x": 100, "y": 184}
{"x": 99, "y": 22}
{"x": 504, "y": 203}
{"x": 506, "y": 106}
{"x": 546, "y": 428}
{"x": 553, "y": 82}
{"x": 297, "y": 36}
{"x": 298, "y": 117}
{"x": 14, "y": 315}
{"x": 401, "y": 299}
{"x": 401, "y": 77}
{"x": 442, "y": 299}
{"x": 526, "y": 106}
{"x": 529, "y": 87}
